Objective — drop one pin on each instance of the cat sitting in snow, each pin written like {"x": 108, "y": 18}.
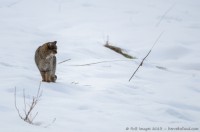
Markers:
{"x": 45, "y": 60}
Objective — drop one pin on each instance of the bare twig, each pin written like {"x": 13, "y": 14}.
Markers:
{"x": 94, "y": 63}
{"x": 107, "y": 41}
{"x": 28, "y": 111}
{"x": 164, "y": 15}
{"x": 24, "y": 101}
{"x": 146, "y": 56}
{"x": 64, "y": 61}
{"x": 34, "y": 117}
{"x": 16, "y": 105}
{"x": 27, "y": 117}
{"x": 39, "y": 92}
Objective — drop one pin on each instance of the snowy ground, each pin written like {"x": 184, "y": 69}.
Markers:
{"x": 98, "y": 98}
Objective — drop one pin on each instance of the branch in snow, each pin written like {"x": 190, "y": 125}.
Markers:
{"x": 146, "y": 56}
{"x": 28, "y": 111}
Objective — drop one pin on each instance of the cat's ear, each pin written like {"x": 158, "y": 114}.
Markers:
{"x": 55, "y": 42}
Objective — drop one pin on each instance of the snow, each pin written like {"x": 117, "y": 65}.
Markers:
{"x": 164, "y": 93}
